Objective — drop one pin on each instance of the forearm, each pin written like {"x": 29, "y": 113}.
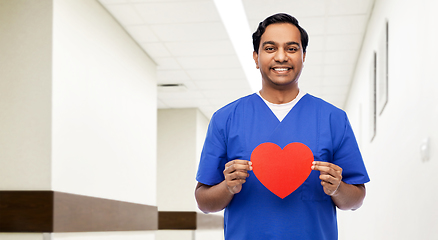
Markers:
{"x": 212, "y": 198}
{"x": 349, "y": 197}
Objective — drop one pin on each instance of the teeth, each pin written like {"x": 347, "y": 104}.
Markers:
{"x": 280, "y": 69}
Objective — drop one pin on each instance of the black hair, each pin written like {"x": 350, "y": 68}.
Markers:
{"x": 278, "y": 18}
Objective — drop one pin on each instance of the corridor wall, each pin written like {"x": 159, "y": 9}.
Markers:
{"x": 181, "y": 135}
{"x": 77, "y": 110}
{"x": 401, "y": 200}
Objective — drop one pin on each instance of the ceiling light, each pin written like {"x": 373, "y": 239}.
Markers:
{"x": 172, "y": 87}
{"x": 234, "y": 18}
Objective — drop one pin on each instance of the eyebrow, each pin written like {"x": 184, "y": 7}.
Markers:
{"x": 273, "y": 43}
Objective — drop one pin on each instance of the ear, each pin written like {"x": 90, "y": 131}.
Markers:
{"x": 304, "y": 57}
{"x": 255, "y": 56}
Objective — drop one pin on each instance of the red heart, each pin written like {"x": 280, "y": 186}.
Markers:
{"x": 282, "y": 171}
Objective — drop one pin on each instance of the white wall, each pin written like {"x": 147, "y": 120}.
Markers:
{"x": 24, "y": 236}
{"x": 104, "y": 107}
{"x": 207, "y": 234}
{"x": 135, "y": 235}
{"x": 181, "y": 133}
{"x": 401, "y": 197}
{"x": 175, "y": 234}
{"x": 25, "y": 94}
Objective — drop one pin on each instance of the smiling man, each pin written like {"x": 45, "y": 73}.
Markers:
{"x": 282, "y": 115}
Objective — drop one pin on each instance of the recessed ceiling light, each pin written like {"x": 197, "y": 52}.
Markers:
{"x": 172, "y": 87}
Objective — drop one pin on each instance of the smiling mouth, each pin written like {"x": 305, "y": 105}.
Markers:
{"x": 281, "y": 69}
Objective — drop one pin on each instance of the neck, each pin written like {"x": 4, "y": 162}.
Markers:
{"x": 279, "y": 96}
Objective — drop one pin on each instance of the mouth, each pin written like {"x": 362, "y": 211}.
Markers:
{"x": 281, "y": 69}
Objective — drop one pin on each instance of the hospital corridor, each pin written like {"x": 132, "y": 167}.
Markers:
{"x": 112, "y": 113}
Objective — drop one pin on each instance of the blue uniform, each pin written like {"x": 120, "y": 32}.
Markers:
{"x": 256, "y": 213}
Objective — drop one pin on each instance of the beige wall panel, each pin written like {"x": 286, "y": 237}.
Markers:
{"x": 25, "y": 94}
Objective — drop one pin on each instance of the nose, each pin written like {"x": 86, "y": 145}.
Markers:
{"x": 280, "y": 56}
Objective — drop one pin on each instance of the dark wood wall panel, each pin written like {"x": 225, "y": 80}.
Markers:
{"x": 48, "y": 211}
{"x": 26, "y": 211}
{"x": 74, "y": 213}
{"x": 177, "y": 220}
{"x": 189, "y": 221}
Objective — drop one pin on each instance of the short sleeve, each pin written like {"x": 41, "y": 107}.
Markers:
{"x": 213, "y": 156}
{"x": 346, "y": 153}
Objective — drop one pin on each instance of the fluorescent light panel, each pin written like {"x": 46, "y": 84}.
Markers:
{"x": 234, "y": 18}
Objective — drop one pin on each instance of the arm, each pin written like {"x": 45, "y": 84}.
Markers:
{"x": 217, "y": 197}
{"x": 212, "y": 198}
{"x": 345, "y": 196}
{"x": 348, "y": 196}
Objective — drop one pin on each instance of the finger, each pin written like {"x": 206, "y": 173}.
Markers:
{"x": 320, "y": 168}
{"x": 329, "y": 179}
{"x": 330, "y": 189}
{"x": 324, "y": 170}
{"x": 235, "y": 186}
{"x": 318, "y": 164}
{"x": 240, "y": 175}
{"x": 236, "y": 182}
{"x": 237, "y": 161}
{"x": 329, "y": 171}
{"x": 236, "y": 176}
{"x": 327, "y": 185}
{"x": 234, "y": 168}
{"x": 239, "y": 165}
{"x": 333, "y": 178}
{"x": 328, "y": 168}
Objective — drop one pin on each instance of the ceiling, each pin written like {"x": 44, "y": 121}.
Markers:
{"x": 189, "y": 43}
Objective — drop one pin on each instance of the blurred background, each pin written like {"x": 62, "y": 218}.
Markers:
{"x": 104, "y": 106}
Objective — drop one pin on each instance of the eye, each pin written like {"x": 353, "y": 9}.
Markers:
{"x": 269, "y": 49}
{"x": 292, "y": 49}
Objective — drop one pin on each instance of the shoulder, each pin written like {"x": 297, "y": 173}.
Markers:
{"x": 325, "y": 108}
{"x": 230, "y": 114}
{"x": 233, "y": 108}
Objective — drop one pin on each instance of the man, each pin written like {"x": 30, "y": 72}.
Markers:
{"x": 281, "y": 114}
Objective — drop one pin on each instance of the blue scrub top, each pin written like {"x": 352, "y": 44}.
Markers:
{"x": 256, "y": 213}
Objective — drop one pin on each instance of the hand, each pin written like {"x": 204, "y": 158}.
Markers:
{"x": 235, "y": 173}
{"x": 331, "y": 176}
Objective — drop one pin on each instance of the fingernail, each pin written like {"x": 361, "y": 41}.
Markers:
{"x": 250, "y": 163}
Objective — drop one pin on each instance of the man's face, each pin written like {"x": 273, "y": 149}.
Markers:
{"x": 280, "y": 56}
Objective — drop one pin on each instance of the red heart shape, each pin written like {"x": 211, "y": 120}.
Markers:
{"x": 282, "y": 171}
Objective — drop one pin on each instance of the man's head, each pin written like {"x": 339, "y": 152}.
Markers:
{"x": 278, "y": 18}
{"x": 279, "y": 52}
